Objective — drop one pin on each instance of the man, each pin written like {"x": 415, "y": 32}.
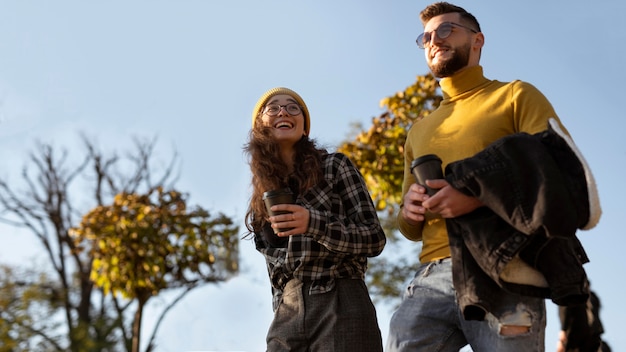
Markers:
{"x": 475, "y": 113}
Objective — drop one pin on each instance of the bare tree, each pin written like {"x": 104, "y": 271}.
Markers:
{"x": 49, "y": 205}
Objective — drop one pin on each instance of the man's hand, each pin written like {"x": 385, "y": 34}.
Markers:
{"x": 449, "y": 202}
{"x": 412, "y": 210}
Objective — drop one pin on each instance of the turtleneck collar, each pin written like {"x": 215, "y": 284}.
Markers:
{"x": 462, "y": 81}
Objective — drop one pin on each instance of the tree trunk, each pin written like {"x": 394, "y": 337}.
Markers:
{"x": 137, "y": 325}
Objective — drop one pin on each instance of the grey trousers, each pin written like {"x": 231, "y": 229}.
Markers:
{"x": 343, "y": 319}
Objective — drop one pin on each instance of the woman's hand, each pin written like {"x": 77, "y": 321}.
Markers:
{"x": 296, "y": 220}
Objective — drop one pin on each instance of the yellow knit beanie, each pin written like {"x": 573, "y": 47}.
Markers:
{"x": 282, "y": 90}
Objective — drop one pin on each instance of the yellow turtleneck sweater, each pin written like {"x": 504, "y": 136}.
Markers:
{"x": 475, "y": 112}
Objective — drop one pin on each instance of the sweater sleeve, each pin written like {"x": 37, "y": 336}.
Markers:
{"x": 413, "y": 233}
{"x": 531, "y": 109}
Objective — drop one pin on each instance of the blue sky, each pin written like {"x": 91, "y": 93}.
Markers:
{"x": 190, "y": 72}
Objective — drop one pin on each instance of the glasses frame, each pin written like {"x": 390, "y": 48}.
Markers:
{"x": 280, "y": 107}
{"x": 422, "y": 43}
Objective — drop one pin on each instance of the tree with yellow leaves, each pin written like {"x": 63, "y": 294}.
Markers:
{"x": 145, "y": 243}
{"x": 378, "y": 152}
{"x": 139, "y": 238}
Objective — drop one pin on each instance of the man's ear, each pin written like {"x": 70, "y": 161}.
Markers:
{"x": 479, "y": 40}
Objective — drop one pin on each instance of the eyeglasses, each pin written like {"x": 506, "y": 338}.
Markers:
{"x": 291, "y": 108}
{"x": 443, "y": 31}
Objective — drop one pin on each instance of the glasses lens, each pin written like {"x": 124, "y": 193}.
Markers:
{"x": 421, "y": 40}
{"x": 293, "y": 109}
{"x": 444, "y": 30}
{"x": 274, "y": 109}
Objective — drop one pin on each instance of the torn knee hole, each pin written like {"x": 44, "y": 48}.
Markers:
{"x": 516, "y": 322}
{"x": 511, "y": 330}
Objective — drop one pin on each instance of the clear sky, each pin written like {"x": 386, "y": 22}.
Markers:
{"x": 190, "y": 72}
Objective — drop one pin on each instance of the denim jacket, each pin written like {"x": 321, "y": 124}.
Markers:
{"x": 537, "y": 191}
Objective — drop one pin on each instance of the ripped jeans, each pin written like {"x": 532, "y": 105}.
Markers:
{"x": 429, "y": 319}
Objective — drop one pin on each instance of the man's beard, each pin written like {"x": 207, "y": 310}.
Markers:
{"x": 447, "y": 68}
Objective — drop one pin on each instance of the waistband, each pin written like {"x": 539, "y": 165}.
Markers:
{"x": 439, "y": 261}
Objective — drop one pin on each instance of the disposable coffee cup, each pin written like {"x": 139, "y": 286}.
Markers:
{"x": 427, "y": 167}
{"x": 279, "y": 196}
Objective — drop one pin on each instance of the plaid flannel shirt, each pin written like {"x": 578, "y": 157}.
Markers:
{"x": 343, "y": 231}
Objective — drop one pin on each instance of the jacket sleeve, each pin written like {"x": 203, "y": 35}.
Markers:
{"x": 351, "y": 225}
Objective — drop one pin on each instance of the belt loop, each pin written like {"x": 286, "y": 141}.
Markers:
{"x": 432, "y": 263}
{"x": 427, "y": 271}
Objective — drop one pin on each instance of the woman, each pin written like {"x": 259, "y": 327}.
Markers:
{"x": 317, "y": 260}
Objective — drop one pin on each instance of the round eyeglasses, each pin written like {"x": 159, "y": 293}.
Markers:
{"x": 291, "y": 108}
{"x": 443, "y": 31}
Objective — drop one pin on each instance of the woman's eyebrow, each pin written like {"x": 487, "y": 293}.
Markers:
{"x": 274, "y": 101}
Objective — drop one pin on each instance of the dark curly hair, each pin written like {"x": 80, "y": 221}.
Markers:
{"x": 269, "y": 171}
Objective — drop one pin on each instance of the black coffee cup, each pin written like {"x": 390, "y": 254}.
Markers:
{"x": 427, "y": 167}
{"x": 279, "y": 196}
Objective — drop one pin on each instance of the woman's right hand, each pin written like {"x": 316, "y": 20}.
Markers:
{"x": 297, "y": 219}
